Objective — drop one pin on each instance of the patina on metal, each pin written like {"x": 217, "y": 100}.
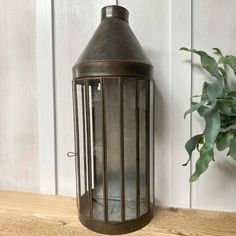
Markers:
{"x": 113, "y": 50}
{"x": 113, "y": 94}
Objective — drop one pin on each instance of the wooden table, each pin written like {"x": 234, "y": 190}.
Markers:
{"x": 24, "y": 214}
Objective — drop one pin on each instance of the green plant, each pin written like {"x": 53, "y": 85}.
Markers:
{"x": 217, "y": 106}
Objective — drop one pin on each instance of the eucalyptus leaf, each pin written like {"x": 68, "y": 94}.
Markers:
{"x": 224, "y": 74}
{"x": 227, "y": 121}
{"x": 227, "y": 101}
{"x": 197, "y": 96}
{"x": 208, "y": 62}
{"x": 203, "y": 110}
{"x": 194, "y": 107}
{"x": 227, "y": 107}
{"x": 202, "y": 163}
{"x": 215, "y": 90}
{"x": 230, "y": 61}
{"x": 232, "y": 148}
{"x": 204, "y": 96}
{"x": 224, "y": 139}
{"x": 212, "y": 128}
{"x": 217, "y": 51}
{"x": 191, "y": 145}
{"x": 232, "y": 94}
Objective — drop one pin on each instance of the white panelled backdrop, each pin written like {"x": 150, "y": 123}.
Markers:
{"x": 40, "y": 41}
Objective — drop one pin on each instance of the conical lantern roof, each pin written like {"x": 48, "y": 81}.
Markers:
{"x": 113, "y": 49}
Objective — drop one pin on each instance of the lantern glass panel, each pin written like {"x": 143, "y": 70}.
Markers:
{"x": 95, "y": 112}
{"x": 81, "y": 138}
{"x": 143, "y": 147}
{"x": 82, "y": 144}
{"x": 113, "y": 152}
{"x": 130, "y": 149}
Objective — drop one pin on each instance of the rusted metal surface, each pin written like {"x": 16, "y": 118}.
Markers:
{"x": 113, "y": 50}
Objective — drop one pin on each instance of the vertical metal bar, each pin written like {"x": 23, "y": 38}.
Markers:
{"x": 137, "y": 149}
{"x": 122, "y": 180}
{"x": 84, "y": 126}
{"x": 94, "y": 137}
{"x": 105, "y": 193}
{"x": 89, "y": 148}
{"x": 77, "y": 148}
{"x": 147, "y": 88}
{"x": 154, "y": 115}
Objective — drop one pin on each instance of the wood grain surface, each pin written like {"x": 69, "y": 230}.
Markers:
{"x": 24, "y": 214}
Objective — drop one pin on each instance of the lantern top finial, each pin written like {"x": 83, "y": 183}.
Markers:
{"x": 115, "y": 11}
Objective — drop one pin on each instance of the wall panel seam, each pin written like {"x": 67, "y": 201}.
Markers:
{"x": 46, "y": 129}
{"x": 54, "y": 93}
{"x": 191, "y": 94}
{"x": 169, "y": 97}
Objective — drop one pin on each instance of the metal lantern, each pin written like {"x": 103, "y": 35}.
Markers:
{"x": 113, "y": 117}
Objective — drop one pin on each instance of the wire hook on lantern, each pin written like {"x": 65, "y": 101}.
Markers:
{"x": 71, "y": 154}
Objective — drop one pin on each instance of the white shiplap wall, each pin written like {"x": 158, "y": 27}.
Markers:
{"x": 19, "y": 167}
{"x": 213, "y": 26}
{"x": 51, "y": 36}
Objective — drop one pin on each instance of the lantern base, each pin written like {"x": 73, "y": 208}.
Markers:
{"x": 115, "y": 228}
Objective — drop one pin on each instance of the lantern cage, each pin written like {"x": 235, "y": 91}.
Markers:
{"x": 113, "y": 94}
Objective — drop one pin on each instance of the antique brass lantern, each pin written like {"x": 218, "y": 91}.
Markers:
{"x": 113, "y": 94}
